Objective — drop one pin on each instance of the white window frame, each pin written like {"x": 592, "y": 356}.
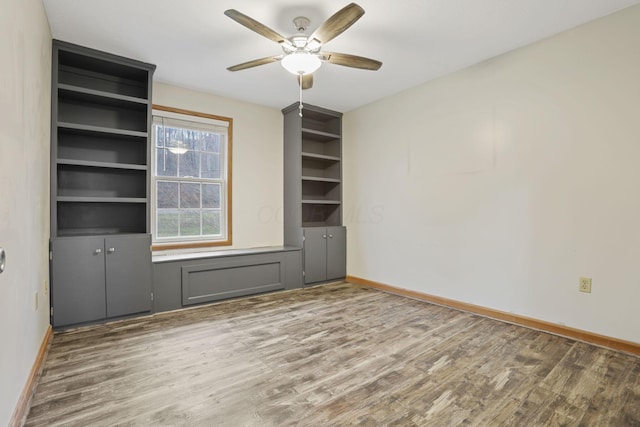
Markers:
{"x": 225, "y": 239}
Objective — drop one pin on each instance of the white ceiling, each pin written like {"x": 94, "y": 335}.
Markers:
{"x": 192, "y": 41}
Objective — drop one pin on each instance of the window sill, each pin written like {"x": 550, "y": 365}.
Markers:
{"x": 189, "y": 245}
{"x": 172, "y": 257}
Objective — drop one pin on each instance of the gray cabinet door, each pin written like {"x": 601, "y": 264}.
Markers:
{"x": 128, "y": 274}
{"x": 315, "y": 254}
{"x": 77, "y": 280}
{"x": 336, "y": 252}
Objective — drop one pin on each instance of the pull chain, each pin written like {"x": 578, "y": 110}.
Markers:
{"x": 300, "y": 105}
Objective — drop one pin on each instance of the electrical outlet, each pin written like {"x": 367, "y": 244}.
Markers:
{"x": 35, "y": 299}
{"x": 584, "y": 285}
{"x": 46, "y": 288}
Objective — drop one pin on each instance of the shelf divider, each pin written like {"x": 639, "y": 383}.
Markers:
{"x": 101, "y": 94}
{"x": 101, "y": 129}
{"x": 85, "y": 199}
{"x": 320, "y": 156}
{"x": 109, "y": 165}
{"x": 320, "y": 202}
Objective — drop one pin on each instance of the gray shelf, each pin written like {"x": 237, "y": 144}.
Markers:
{"x": 86, "y": 109}
{"x": 100, "y": 129}
{"x": 102, "y": 148}
{"x": 99, "y": 95}
{"x": 86, "y": 199}
{"x": 320, "y": 214}
{"x": 91, "y": 181}
{"x": 320, "y": 169}
{"x": 320, "y": 202}
{"x": 320, "y": 157}
{"x": 102, "y": 215}
{"x": 322, "y": 120}
{"x": 97, "y": 231}
{"x": 109, "y": 165}
{"x": 319, "y": 179}
{"x": 319, "y": 135}
{"x": 101, "y": 71}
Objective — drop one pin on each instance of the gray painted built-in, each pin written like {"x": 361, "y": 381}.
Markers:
{"x": 100, "y": 259}
{"x": 187, "y": 279}
{"x": 313, "y": 190}
{"x": 98, "y": 277}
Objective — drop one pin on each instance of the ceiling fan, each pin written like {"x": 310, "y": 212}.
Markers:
{"x": 302, "y": 54}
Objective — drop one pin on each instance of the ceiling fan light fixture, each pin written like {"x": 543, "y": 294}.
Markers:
{"x": 300, "y": 63}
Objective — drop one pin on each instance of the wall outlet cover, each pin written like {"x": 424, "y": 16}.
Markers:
{"x": 584, "y": 284}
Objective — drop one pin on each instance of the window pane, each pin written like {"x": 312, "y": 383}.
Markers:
{"x": 159, "y": 131}
{"x": 211, "y": 195}
{"x": 189, "y": 223}
{"x": 191, "y": 138}
{"x": 211, "y": 142}
{"x": 210, "y": 222}
{"x": 168, "y": 223}
{"x": 210, "y": 165}
{"x": 189, "y": 195}
{"x": 167, "y": 194}
{"x": 166, "y": 163}
{"x": 174, "y": 141}
{"x": 189, "y": 164}
{"x": 180, "y": 138}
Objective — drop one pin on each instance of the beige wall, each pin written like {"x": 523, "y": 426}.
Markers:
{"x": 257, "y": 161}
{"x": 503, "y": 183}
{"x": 25, "y": 93}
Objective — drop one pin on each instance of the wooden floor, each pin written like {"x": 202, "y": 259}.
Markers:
{"x": 330, "y": 356}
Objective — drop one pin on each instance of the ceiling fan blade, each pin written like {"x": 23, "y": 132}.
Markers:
{"x": 337, "y": 23}
{"x": 254, "y": 25}
{"x": 255, "y": 63}
{"x": 307, "y": 81}
{"x": 352, "y": 61}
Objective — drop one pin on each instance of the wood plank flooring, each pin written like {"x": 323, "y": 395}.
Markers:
{"x": 331, "y": 355}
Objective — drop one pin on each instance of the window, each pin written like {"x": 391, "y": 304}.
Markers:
{"x": 191, "y": 180}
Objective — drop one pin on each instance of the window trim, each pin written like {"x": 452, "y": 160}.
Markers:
{"x": 229, "y": 183}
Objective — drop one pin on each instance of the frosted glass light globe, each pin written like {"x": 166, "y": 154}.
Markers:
{"x": 301, "y": 63}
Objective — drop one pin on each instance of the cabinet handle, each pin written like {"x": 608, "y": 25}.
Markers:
{"x": 111, "y": 250}
{"x": 97, "y": 251}
{"x": 324, "y": 236}
{"x": 331, "y": 236}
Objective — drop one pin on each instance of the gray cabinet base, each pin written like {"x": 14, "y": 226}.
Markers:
{"x": 325, "y": 256}
{"x": 94, "y": 278}
{"x": 181, "y": 282}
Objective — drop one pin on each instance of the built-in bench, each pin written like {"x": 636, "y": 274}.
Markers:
{"x": 181, "y": 280}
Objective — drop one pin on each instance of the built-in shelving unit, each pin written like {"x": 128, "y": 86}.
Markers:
{"x": 313, "y": 190}
{"x": 100, "y": 153}
{"x": 100, "y": 165}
